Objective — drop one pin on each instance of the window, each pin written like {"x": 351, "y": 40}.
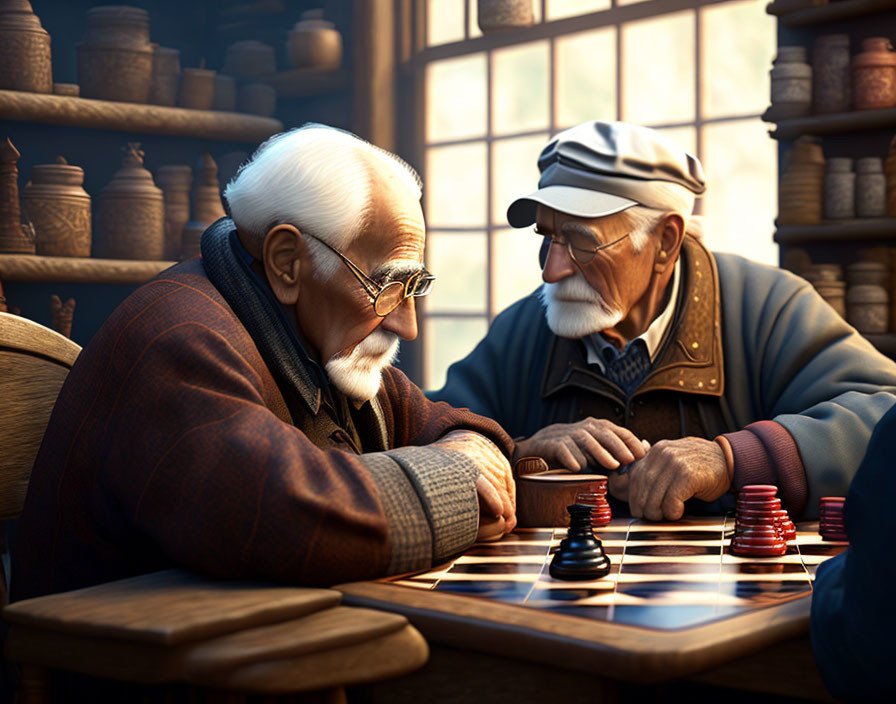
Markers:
{"x": 698, "y": 72}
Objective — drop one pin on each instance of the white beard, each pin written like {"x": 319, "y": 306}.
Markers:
{"x": 359, "y": 374}
{"x": 574, "y": 309}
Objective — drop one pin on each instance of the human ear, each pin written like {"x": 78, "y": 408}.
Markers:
{"x": 282, "y": 252}
{"x": 670, "y": 237}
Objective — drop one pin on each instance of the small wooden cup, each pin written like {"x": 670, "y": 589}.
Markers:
{"x": 543, "y": 494}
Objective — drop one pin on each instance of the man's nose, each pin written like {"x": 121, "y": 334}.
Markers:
{"x": 559, "y": 265}
{"x": 403, "y": 320}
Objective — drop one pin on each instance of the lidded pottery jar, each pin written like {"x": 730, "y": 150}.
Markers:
{"x": 249, "y": 58}
{"x": 165, "y": 76}
{"x": 874, "y": 75}
{"x": 871, "y": 188}
{"x": 839, "y": 189}
{"x": 498, "y": 15}
{"x": 197, "y": 89}
{"x": 890, "y": 174}
{"x": 207, "y": 206}
{"x": 257, "y": 99}
{"x": 14, "y": 239}
{"x": 875, "y": 273}
{"x": 791, "y": 83}
{"x": 314, "y": 43}
{"x": 59, "y": 209}
{"x": 830, "y": 73}
{"x": 868, "y": 308}
{"x": 175, "y": 182}
{"x": 834, "y": 292}
{"x": 802, "y": 184}
{"x": 25, "y": 62}
{"x": 131, "y": 217}
{"x": 115, "y": 60}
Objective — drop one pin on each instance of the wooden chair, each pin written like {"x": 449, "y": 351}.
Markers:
{"x": 172, "y": 627}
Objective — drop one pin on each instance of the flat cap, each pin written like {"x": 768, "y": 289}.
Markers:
{"x": 600, "y": 168}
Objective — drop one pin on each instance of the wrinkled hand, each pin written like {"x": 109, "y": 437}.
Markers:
{"x": 495, "y": 487}
{"x": 672, "y": 472}
{"x": 577, "y": 445}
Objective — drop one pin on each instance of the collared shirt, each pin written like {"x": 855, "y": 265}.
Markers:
{"x": 598, "y": 348}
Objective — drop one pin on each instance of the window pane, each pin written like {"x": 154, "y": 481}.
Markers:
{"x": 458, "y": 261}
{"x": 444, "y": 21}
{"x": 516, "y": 270}
{"x": 740, "y": 202}
{"x": 447, "y": 341}
{"x": 568, "y": 8}
{"x": 586, "y": 77}
{"x": 520, "y": 88}
{"x": 455, "y": 186}
{"x": 658, "y": 73}
{"x": 738, "y": 45}
{"x": 514, "y": 171}
{"x": 684, "y": 137}
{"x": 446, "y": 81}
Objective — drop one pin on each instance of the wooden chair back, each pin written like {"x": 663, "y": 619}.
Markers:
{"x": 34, "y": 362}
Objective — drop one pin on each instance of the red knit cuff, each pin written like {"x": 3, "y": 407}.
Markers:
{"x": 752, "y": 465}
{"x": 722, "y": 442}
{"x": 786, "y": 462}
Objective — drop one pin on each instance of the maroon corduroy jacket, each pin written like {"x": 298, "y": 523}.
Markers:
{"x": 170, "y": 445}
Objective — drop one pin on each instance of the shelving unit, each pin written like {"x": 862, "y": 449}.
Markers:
{"x": 36, "y": 269}
{"x": 133, "y": 117}
{"x": 854, "y": 134}
{"x": 304, "y": 83}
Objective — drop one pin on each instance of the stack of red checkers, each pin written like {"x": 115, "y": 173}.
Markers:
{"x": 759, "y": 526}
{"x": 600, "y": 509}
{"x": 830, "y": 523}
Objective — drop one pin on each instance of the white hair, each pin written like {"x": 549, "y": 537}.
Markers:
{"x": 673, "y": 197}
{"x": 318, "y": 179}
{"x": 358, "y": 374}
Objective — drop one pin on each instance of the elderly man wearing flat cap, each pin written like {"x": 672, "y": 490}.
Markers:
{"x": 691, "y": 373}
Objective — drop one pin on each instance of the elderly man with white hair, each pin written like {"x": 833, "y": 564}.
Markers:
{"x": 238, "y": 414}
{"x": 687, "y": 374}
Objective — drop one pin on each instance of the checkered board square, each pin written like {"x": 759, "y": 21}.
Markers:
{"x": 664, "y": 576}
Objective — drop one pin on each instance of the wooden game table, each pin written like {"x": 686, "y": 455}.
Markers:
{"x": 677, "y": 604}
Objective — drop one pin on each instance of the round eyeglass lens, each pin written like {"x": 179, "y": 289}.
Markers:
{"x": 389, "y": 298}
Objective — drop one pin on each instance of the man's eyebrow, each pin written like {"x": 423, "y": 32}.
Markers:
{"x": 395, "y": 269}
{"x": 578, "y": 228}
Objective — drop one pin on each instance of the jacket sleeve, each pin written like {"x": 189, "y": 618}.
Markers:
{"x": 853, "y": 618}
{"x": 805, "y": 386}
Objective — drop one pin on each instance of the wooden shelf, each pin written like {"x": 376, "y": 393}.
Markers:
{"x": 834, "y": 123}
{"x": 885, "y": 343}
{"x": 133, "y": 117}
{"x": 837, "y": 230}
{"x": 305, "y": 82}
{"x": 31, "y": 268}
{"x": 842, "y": 10}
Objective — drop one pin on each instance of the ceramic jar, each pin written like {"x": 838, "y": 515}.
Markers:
{"x": 207, "y": 206}
{"x": 791, "y": 83}
{"x": 258, "y": 99}
{"x": 175, "y": 182}
{"x": 801, "y": 190}
{"x": 874, "y": 75}
{"x": 59, "y": 209}
{"x": 314, "y": 43}
{"x": 498, "y": 15}
{"x": 248, "y": 59}
{"x": 115, "y": 60}
{"x": 839, "y": 189}
{"x": 14, "y": 239}
{"x": 165, "y": 80}
{"x": 834, "y": 292}
{"x": 119, "y": 25}
{"x": 197, "y": 89}
{"x": 225, "y": 93}
{"x": 824, "y": 272}
{"x": 868, "y": 308}
{"x": 890, "y": 175}
{"x": 875, "y": 273}
{"x": 871, "y": 188}
{"x": 830, "y": 73}
{"x": 131, "y": 213}
{"x": 25, "y": 62}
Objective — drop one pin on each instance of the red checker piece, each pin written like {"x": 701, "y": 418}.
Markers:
{"x": 840, "y": 537}
{"x": 773, "y": 502}
{"x": 754, "y": 490}
{"x": 751, "y": 551}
